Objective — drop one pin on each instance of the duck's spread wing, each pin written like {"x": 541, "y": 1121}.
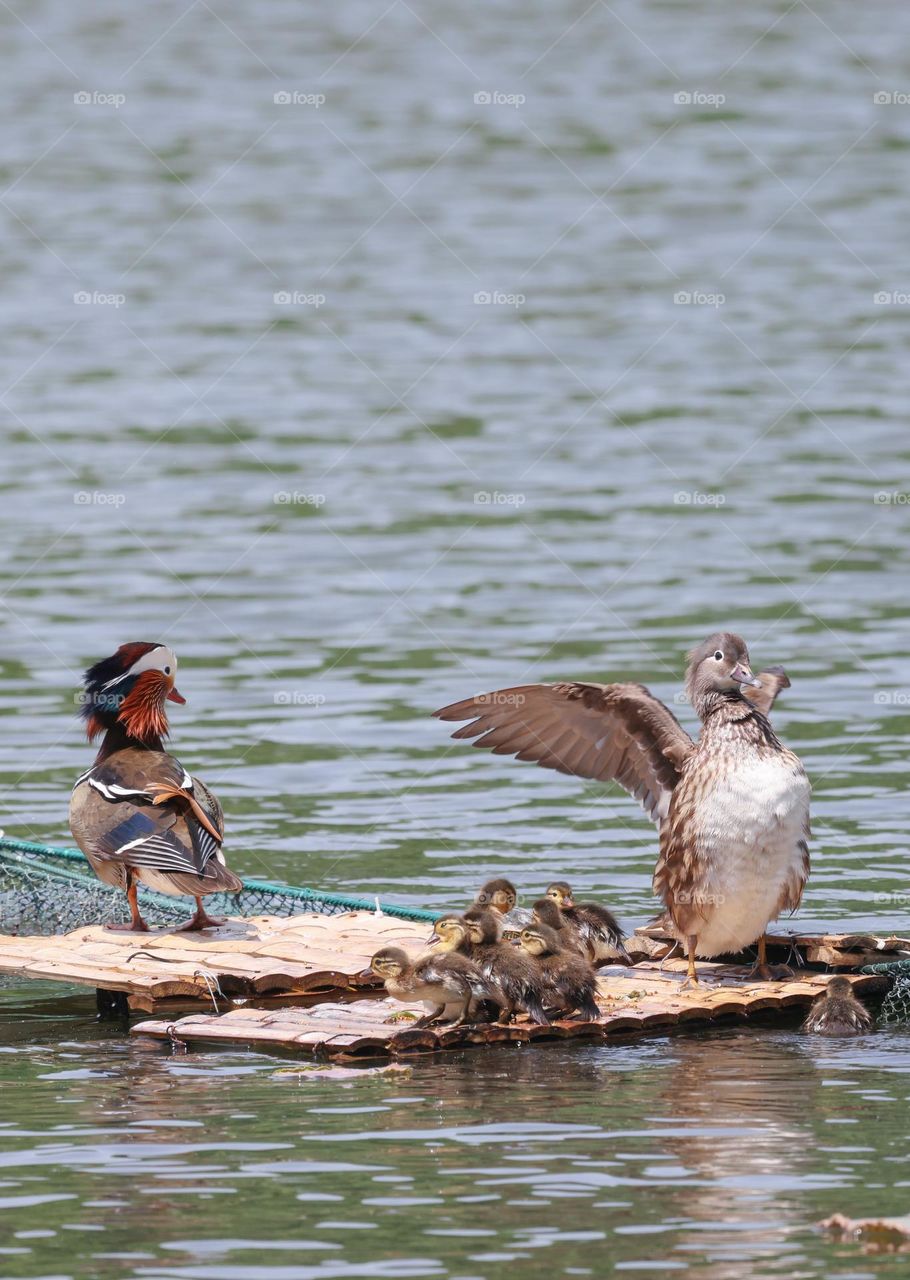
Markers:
{"x": 609, "y": 732}
{"x": 772, "y": 681}
{"x": 160, "y": 817}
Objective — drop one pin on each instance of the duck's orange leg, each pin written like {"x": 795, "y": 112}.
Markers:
{"x": 761, "y": 968}
{"x": 691, "y": 975}
{"x": 201, "y": 920}
{"x": 136, "y": 924}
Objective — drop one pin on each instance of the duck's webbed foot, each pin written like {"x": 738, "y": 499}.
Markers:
{"x": 768, "y": 972}
{"x": 429, "y": 1018}
{"x": 200, "y": 920}
{"x": 135, "y": 926}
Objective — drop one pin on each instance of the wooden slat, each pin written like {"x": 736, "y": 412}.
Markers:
{"x": 648, "y": 997}
{"x": 291, "y": 955}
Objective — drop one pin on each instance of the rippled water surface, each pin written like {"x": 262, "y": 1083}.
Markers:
{"x": 366, "y": 392}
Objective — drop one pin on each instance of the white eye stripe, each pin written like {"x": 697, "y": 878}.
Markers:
{"x": 160, "y": 659}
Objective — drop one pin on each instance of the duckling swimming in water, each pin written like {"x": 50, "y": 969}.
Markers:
{"x": 837, "y": 1012}
{"x": 599, "y": 929}
{"x": 571, "y": 982}
{"x": 546, "y": 911}
{"x": 447, "y": 983}
{"x": 509, "y": 969}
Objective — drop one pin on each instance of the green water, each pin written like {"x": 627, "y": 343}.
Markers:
{"x": 345, "y": 513}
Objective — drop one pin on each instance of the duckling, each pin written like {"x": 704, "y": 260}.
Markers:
{"x": 571, "y": 982}
{"x": 545, "y": 911}
{"x": 599, "y": 929}
{"x": 447, "y": 983}
{"x": 837, "y": 1012}
{"x": 514, "y": 974}
{"x": 501, "y": 896}
{"x": 451, "y": 937}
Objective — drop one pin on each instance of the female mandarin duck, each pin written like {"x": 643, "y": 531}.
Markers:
{"x": 732, "y": 809}
{"x": 137, "y": 815}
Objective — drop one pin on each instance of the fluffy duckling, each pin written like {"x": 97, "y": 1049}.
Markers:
{"x": 545, "y": 911}
{"x": 599, "y": 929}
{"x": 514, "y": 974}
{"x": 451, "y": 937}
{"x": 447, "y": 983}
{"x": 571, "y": 982}
{"x": 501, "y": 896}
{"x": 837, "y": 1012}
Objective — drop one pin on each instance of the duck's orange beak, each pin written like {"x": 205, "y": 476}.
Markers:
{"x": 175, "y": 696}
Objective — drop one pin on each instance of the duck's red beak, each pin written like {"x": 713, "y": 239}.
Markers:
{"x": 175, "y": 696}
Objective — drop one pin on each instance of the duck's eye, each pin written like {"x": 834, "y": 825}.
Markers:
{"x": 167, "y": 671}
{"x": 718, "y": 656}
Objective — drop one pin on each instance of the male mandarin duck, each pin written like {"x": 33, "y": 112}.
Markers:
{"x": 837, "y": 1012}
{"x": 732, "y": 809}
{"x": 136, "y": 814}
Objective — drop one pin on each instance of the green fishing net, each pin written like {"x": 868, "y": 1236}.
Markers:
{"x": 895, "y": 1008}
{"x": 45, "y": 890}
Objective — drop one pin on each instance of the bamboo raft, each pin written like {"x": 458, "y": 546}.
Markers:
{"x": 276, "y": 957}
{"x": 261, "y": 962}
{"x": 644, "y": 998}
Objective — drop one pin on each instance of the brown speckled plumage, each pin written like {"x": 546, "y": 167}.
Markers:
{"x": 733, "y": 808}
